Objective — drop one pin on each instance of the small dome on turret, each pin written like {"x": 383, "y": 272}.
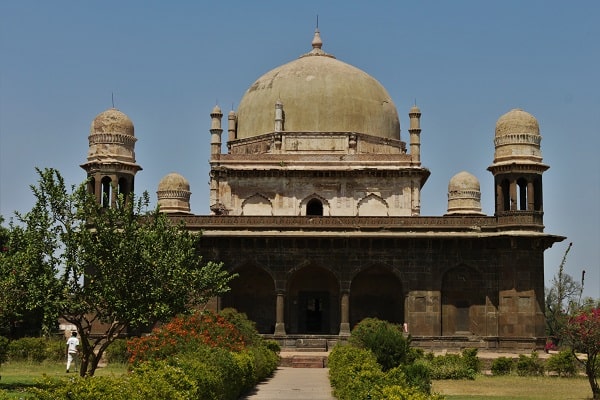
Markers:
{"x": 517, "y": 121}
{"x": 173, "y": 181}
{"x": 112, "y": 121}
{"x": 517, "y": 138}
{"x": 464, "y": 194}
{"x": 463, "y": 181}
{"x": 174, "y": 194}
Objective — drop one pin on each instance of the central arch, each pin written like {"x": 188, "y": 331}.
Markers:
{"x": 313, "y": 305}
{"x": 376, "y": 292}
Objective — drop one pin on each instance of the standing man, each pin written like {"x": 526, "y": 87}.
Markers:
{"x": 72, "y": 350}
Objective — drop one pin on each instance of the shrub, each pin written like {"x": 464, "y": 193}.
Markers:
{"x": 55, "y": 349}
{"x": 76, "y": 388}
{"x": 385, "y": 340}
{"x": 28, "y": 349}
{"x": 502, "y": 366}
{"x": 452, "y": 366}
{"x": 418, "y": 374}
{"x": 272, "y": 345}
{"x": 246, "y": 327}
{"x": 355, "y": 374}
{"x": 185, "y": 333}
{"x": 346, "y": 364}
{"x": 207, "y": 376}
{"x": 117, "y": 352}
{"x": 159, "y": 380}
{"x": 265, "y": 361}
{"x": 3, "y": 349}
{"x": 530, "y": 365}
{"x": 471, "y": 361}
{"x": 563, "y": 363}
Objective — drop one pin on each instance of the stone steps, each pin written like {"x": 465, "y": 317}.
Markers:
{"x": 304, "y": 361}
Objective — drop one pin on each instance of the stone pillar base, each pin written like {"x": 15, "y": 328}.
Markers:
{"x": 344, "y": 329}
{"x": 280, "y": 329}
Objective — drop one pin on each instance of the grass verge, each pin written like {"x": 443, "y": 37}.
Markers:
{"x": 515, "y": 388}
{"x": 16, "y": 377}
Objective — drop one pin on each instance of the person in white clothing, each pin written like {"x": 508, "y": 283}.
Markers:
{"x": 72, "y": 350}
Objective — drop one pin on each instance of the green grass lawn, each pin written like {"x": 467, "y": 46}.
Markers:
{"x": 18, "y": 376}
{"x": 515, "y": 388}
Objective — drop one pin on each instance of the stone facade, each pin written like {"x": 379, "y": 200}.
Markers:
{"x": 316, "y": 206}
{"x": 446, "y": 277}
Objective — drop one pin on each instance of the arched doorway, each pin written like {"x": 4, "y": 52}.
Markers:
{"x": 376, "y": 292}
{"x": 314, "y": 208}
{"x": 253, "y": 293}
{"x": 313, "y": 302}
{"x": 463, "y": 302}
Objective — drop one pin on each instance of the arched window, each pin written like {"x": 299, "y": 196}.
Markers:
{"x": 522, "y": 194}
{"x": 106, "y": 192}
{"x": 314, "y": 208}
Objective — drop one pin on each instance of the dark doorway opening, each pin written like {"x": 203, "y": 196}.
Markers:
{"x": 313, "y": 312}
{"x": 314, "y": 208}
{"x": 463, "y": 321}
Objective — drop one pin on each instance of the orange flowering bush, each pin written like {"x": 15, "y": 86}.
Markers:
{"x": 184, "y": 333}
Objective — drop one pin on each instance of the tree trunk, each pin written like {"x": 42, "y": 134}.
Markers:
{"x": 590, "y": 372}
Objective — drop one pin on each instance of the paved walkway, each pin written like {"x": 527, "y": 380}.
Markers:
{"x": 294, "y": 384}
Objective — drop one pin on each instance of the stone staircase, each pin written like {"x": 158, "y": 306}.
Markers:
{"x": 305, "y": 353}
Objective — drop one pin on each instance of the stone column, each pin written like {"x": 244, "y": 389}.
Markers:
{"x": 530, "y": 196}
{"x": 345, "y": 314}
{"x": 499, "y": 198}
{"x": 279, "y": 314}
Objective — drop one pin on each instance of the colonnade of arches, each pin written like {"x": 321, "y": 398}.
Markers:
{"x": 108, "y": 188}
{"x": 313, "y": 300}
{"x": 519, "y": 193}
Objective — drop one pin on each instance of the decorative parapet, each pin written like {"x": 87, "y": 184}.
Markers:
{"x": 521, "y": 220}
{"x": 517, "y": 220}
{"x": 518, "y": 138}
{"x": 461, "y": 194}
{"x": 112, "y": 138}
{"x": 451, "y": 223}
{"x": 174, "y": 194}
{"x": 290, "y": 142}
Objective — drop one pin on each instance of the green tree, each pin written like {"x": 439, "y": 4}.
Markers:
{"x": 106, "y": 270}
{"x": 19, "y": 314}
{"x": 561, "y": 299}
{"x": 583, "y": 332}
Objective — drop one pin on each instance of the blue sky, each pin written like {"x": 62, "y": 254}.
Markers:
{"x": 465, "y": 63}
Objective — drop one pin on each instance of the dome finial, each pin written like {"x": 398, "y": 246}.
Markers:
{"x": 317, "y": 43}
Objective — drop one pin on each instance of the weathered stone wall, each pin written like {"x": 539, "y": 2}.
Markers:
{"x": 488, "y": 286}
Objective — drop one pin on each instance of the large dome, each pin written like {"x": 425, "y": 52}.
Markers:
{"x": 319, "y": 94}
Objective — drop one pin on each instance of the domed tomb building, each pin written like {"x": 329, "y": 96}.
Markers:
{"x": 316, "y": 137}
{"x": 315, "y": 204}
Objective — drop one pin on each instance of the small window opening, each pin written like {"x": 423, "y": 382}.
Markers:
{"x": 106, "y": 192}
{"x": 314, "y": 208}
{"x": 522, "y": 194}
